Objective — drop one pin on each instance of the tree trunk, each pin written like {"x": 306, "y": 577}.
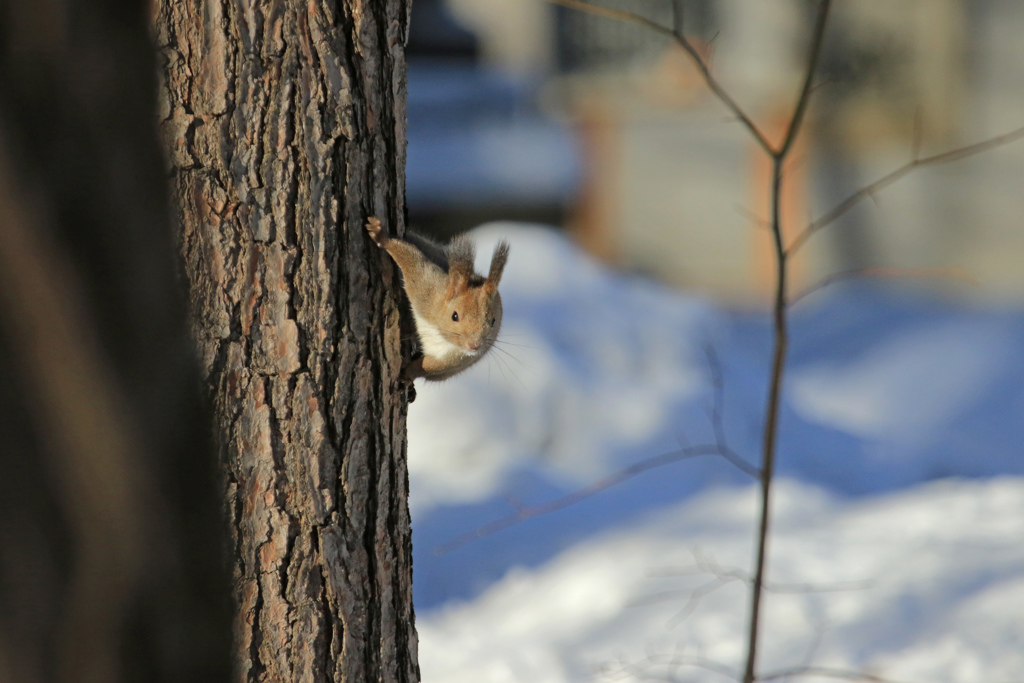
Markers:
{"x": 285, "y": 125}
{"x": 110, "y": 561}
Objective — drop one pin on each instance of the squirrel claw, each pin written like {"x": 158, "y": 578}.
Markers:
{"x": 376, "y": 230}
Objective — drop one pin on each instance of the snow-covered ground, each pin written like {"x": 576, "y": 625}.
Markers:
{"x": 921, "y": 585}
{"x": 900, "y": 512}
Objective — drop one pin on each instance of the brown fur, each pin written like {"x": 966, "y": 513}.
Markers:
{"x": 439, "y": 282}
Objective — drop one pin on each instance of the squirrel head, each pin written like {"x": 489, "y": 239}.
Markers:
{"x": 472, "y": 314}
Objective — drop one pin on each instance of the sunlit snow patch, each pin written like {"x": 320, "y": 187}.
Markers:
{"x": 588, "y": 361}
{"x": 922, "y": 585}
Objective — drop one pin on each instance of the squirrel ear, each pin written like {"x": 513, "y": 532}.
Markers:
{"x": 498, "y": 261}
{"x": 461, "y": 257}
{"x": 457, "y": 283}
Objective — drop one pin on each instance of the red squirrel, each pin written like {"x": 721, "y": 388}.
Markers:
{"x": 457, "y": 312}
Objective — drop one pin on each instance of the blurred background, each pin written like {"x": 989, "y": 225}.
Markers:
{"x": 636, "y": 319}
{"x": 524, "y": 110}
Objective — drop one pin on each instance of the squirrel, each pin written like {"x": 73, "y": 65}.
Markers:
{"x": 457, "y": 312}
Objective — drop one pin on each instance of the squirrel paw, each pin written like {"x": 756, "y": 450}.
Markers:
{"x": 376, "y": 230}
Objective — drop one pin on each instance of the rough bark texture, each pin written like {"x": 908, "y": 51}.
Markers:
{"x": 285, "y": 125}
{"x": 109, "y": 528}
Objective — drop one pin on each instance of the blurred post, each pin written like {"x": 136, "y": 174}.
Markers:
{"x": 110, "y": 551}
{"x": 600, "y": 135}
{"x": 793, "y": 206}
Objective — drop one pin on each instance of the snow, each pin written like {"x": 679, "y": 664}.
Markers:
{"x": 587, "y": 362}
{"x": 924, "y": 585}
{"x": 904, "y": 385}
{"x": 901, "y": 489}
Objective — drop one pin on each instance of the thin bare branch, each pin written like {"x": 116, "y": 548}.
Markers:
{"x": 685, "y": 452}
{"x": 780, "y": 344}
{"x": 704, "y": 565}
{"x": 823, "y": 84}
{"x": 884, "y": 273}
{"x": 754, "y": 219}
{"x": 812, "y": 648}
{"x": 645, "y": 465}
{"x": 825, "y": 672}
{"x": 723, "y": 576}
{"x": 709, "y": 567}
{"x": 718, "y": 409}
{"x": 810, "y": 588}
{"x": 839, "y": 674}
{"x": 698, "y": 594}
{"x": 620, "y": 15}
{"x": 780, "y": 319}
{"x": 691, "y": 594}
{"x": 897, "y": 174}
{"x": 683, "y": 42}
{"x": 713, "y": 85}
{"x": 644, "y": 670}
{"x": 817, "y": 40}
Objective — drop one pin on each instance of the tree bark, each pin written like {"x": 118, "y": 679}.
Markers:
{"x": 110, "y": 561}
{"x": 285, "y": 128}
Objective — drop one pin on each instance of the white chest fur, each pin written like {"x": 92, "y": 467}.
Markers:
{"x": 432, "y": 342}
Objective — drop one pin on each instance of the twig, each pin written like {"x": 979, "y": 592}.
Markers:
{"x": 722, "y": 576}
{"x": 531, "y": 511}
{"x": 825, "y": 672}
{"x": 778, "y": 156}
{"x": 683, "y": 42}
{"x": 718, "y": 411}
{"x": 879, "y": 272}
{"x": 684, "y": 452}
{"x": 713, "y": 85}
{"x": 698, "y": 594}
{"x": 643, "y": 670}
{"x": 711, "y": 567}
{"x": 812, "y": 647}
{"x": 809, "y": 588}
{"x": 754, "y": 219}
{"x": 781, "y": 340}
{"x": 891, "y": 177}
{"x": 621, "y": 15}
{"x": 817, "y": 40}
{"x": 688, "y": 593}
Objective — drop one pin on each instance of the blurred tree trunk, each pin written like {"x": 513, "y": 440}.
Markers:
{"x": 110, "y": 543}
{"x": 285, "y": 128}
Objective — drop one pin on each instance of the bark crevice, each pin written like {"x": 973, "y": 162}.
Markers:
{"x": 277, "y": 157}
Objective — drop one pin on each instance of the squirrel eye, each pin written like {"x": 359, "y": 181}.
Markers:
{"x": 493, "y": 320}
{"x": 455, "y": 316}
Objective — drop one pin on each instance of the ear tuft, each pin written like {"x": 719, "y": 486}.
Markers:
{"x": 461, "y": 257}
{"x": 498, "y": 261}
